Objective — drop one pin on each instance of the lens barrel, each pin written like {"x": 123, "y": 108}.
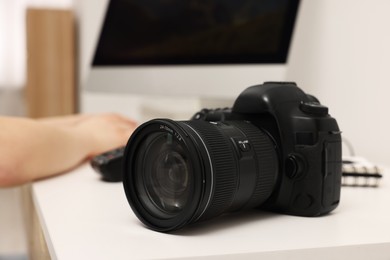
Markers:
{"x": 181, "y": 172}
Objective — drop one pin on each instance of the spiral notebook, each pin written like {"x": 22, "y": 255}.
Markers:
{"x": 359, "y": 172}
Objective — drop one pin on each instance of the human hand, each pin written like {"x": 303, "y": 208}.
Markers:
{"x": 104, "y": 132}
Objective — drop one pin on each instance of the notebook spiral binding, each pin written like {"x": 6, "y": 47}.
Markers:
{"x": 358, "y": 172}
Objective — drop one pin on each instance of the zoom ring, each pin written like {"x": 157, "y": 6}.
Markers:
{"x": 267, "y": 162}
{"x": 224, "y": 167}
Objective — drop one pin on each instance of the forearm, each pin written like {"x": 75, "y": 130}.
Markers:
{"x": 34, "y": 149}
{"x": 30, "y": 151}
{"x": 64, "y": 121}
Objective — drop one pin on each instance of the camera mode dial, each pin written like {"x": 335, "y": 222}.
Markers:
{"x": 314, "y": 108}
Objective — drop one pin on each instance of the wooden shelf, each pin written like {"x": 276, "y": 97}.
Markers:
{"x": 51, "y": 72}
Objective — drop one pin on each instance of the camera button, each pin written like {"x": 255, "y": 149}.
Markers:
{"x": 314, "y": 108}
{"x": 294, "y": 166}
{"x": 291, "y": 167}
{"x": 303, "y": 201}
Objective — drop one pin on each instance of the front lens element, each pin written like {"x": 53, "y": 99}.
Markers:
{"x": 167, "y": 179}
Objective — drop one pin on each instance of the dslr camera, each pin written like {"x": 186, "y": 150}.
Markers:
{"x": 277, "y": 149}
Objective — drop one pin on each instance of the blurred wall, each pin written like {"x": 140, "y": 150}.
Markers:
{"x": 341, "y": 54}
{"x": 13, "y": 55}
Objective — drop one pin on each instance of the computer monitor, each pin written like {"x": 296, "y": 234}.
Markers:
{"x": 197, "y": 48}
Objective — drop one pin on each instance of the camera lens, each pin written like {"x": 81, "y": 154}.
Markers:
{"x": 181, "y": 172}
{"x": 167, "y": 179}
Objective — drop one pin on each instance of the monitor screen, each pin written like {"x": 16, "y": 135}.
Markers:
{"x": 185, "y": 48}
{"x": 195, "y": 32}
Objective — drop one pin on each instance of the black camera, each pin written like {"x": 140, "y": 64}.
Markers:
{"x": 277, "y": 149}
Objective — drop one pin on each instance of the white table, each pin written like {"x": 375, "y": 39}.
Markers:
{"x": 85, "y": 218}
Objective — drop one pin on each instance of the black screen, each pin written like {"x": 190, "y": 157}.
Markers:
{"x": 163, "y": 32}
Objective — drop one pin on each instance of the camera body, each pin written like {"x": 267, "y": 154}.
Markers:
{"x": 277, "y": 148}
{"x": 307, "y": 140}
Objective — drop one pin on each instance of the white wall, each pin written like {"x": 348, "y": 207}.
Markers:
{"x": 341, "y": 54}
{"x": 13, "y": 53}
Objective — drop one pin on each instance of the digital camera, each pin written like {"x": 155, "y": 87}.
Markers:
{"x": 277, "y": 149}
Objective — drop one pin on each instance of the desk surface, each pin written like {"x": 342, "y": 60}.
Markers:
{"x": 85, "y": 218}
